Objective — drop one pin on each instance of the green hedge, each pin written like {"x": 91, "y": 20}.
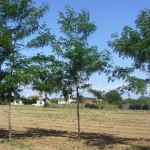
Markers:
{"x": 140, "y": 105}
{"x": 91, "y": 106}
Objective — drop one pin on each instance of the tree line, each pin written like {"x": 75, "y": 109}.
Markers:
{"x": 113, "y": 100}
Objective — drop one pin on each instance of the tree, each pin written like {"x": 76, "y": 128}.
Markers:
{"x": 46, "y": 74}
{"x": 19, "y": 20}
{"x": 80, "y": 59}
{"x": 113, "y": 97}
{"x": 134, "y": 44}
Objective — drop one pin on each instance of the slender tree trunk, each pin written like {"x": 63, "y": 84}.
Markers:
{"x": 78, "y": 113}
{"x": 9, "y": 120}
{"x": 10, "y": 96}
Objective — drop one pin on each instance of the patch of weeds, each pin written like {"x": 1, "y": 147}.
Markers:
{"x": 50, "y": 115}
{"x": 60, "y": 148}
{"x": 20, "y": 144}
{"x": 38, "y": 116}
{"x": 2, "y": 141}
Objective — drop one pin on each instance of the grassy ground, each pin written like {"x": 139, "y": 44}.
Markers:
{"x": 38, "y": 128}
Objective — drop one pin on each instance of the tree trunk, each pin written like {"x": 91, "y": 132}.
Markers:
{"x": 78, "y": 114}
{"x": 9, "y": 120}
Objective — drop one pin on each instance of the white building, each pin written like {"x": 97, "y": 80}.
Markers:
{"x": 38, "y": 98}
{"x": 63, "y": 101}
{"x": 17, "y": 102}
{"x": 39, "y": 103}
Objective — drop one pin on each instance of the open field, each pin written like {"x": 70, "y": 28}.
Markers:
{"x": 38, "y": 128}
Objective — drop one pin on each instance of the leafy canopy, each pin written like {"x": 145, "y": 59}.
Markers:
{"x": 134, "y": 44}
{"x": 80, "y": 59}
{"x": 45, "y": 73}
{"x": 96, "y": 93}
{"x": 19, "y": 21}
{"x": 113, "y": 97}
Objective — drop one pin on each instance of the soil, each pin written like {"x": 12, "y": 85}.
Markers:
{"x": 38, "y": 128}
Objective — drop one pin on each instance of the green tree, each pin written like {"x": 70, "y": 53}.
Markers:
{"x": 46, "y": 74}
{"x": 134, "y": 44}
{"x": 80, "y": 59}
{"x": 113, "y": 97}
{"x": 143, "y": 98}
{"x": 19, "y": 20}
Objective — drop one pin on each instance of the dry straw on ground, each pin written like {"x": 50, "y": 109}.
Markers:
{"x": 38, "y": 128}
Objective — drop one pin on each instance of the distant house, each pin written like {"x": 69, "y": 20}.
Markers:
{"x": 63, "y": 101}
{"x": 88, "y": 102}
{"x": 38, "y": 98}
{"x": 39, "y": 103}
{"x": 93, "y": 101}
{"x": 17, "y": 102}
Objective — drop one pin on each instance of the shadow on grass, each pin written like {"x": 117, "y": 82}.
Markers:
{"x": 91, "y": 139}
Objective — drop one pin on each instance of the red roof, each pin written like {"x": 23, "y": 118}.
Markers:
{"x": 88, "y": 102}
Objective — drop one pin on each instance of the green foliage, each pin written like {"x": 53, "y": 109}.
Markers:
{"x": 4, "y": 101}
{"x": 20, "y": 144}
{"x": 19, "y": 20}
{"x": 97, "y": 94}
{"x": 55, "y": 101}
{"x": 144, "y": 98}
{"x": 134, "y": 44}
{"x": 80, "y": 60}
{"x": 91, "y": 106}
{"x": 102, "y": 105}
{"x": 46, "y": 73}
{"x": 80, "y": 98}
{"x": 106, "y": 105}
{"x": 128, "y": 101}
{"x": 28, "y": 101}
{"x": 113, "y": 97}
{"x": 139, "y": 106}
{"x": 143, "y": 103}
{"x": 46, "y": 105}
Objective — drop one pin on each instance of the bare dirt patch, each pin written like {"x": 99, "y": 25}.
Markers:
{"x": 38, "y": 128}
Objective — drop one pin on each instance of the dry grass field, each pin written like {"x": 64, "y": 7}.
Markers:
{"x": 38, "y": 128}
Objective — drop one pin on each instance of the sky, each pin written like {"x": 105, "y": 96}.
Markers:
{"x": 110, "y": 16}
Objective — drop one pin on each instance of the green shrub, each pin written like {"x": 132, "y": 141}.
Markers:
{"x": 46, "y": 105}
{"x": 51, "y": 105}
{"x": 135, "y": 106}
{"x": 4, "y": 102}
{"x": 113, "y": 97}
{"x": 141, "y": 104}
{"x": 27, "y": 101}
{"x": 146, "y": 107}
{"x": 91, "y": 106}
{"x": 106, "y": 105}
{"x": 55, "y": 101}
{"x": 20, "y": 144}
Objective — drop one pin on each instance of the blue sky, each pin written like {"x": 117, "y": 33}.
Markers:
{"x": 110, "y": 16}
